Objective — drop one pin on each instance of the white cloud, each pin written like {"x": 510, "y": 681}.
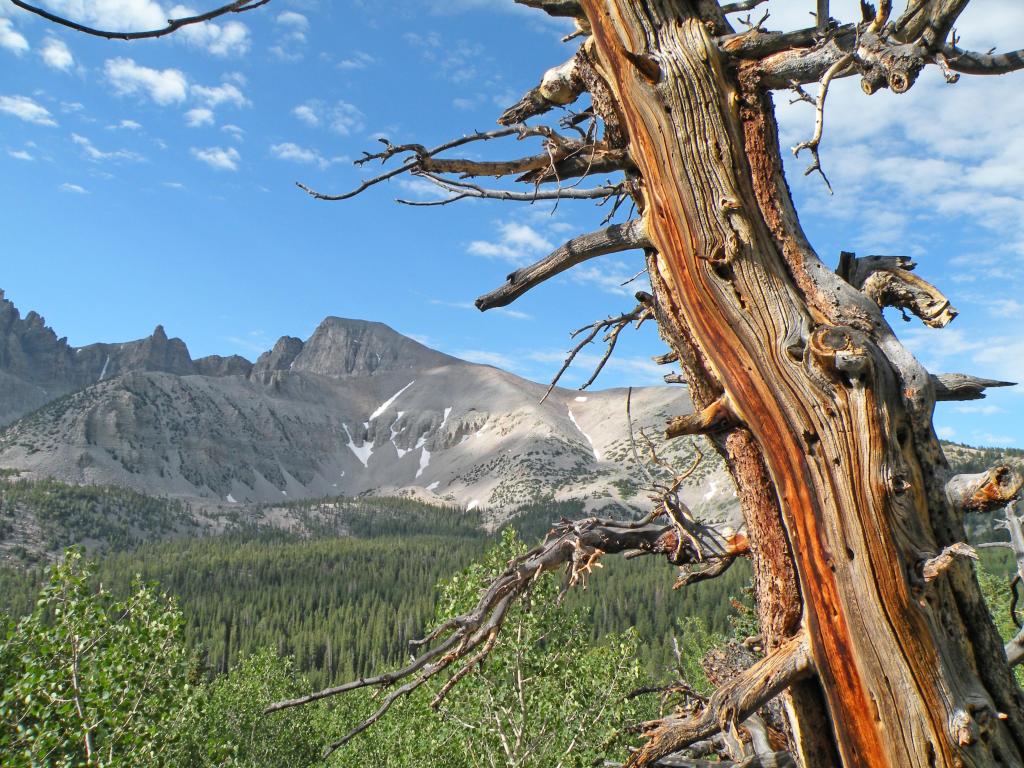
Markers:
{"x": 11, "y": 39}
{"x": 163, "y": 86}
{"x": 946, "y": 433}
{"x": 56, "y": 54}
{"x": 358, "y": 60}
{"x": 296, "y": 154}
{"x": 341, "y": 117}
{"x": 127, "y": 125}
{"x": 117, "y": 15}
{"x": 1009, "y": 308}
{"x": 230, "y": 38}
{"x": 95, "y": 154}
{"x": 517, "y": 243}
{"x": 26, "y": 109}
{"x": 233, "y": 131}
{"x": 68, "y": 187}
{"x": 292, "y": 38}
{"x": 198, "y": 117}
{"x": 306, "y": 114}
{"x": 214, "y": 96}
{"x": 218, "y": 158}
{"x": 20, "y": 154}
{"x": 293, "y": 20}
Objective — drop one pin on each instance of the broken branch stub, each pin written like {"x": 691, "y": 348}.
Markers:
{"x": 985, "y": 491}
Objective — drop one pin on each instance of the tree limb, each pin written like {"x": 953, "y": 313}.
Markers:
{"x": 961, "y": 386}
{"x": 614, "y": 326}
{"x": 173, "y": 25}
{"x": 984, "y": 491}
{"x": 717, "y": 417}
{"x": 888, "y": 281}
{"x": 729, "y": 705}
{"x": 974, "y": 63}
{"x": 928, "y": 21}
{"x": 558, "y": 87}
{"x": 565, "y": 8}
{"x": 462, "y": 190}
{"x": 614, "y": 239}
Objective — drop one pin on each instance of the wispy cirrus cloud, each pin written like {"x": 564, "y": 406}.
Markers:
{"x": 27, "y": 109}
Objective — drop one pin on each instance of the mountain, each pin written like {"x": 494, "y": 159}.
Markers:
{"x": 356, "y": 408}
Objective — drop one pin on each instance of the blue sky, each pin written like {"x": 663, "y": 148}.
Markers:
{"x": 152, "y": 182}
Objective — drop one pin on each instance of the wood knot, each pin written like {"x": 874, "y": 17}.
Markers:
{"x": 646, "y": 65}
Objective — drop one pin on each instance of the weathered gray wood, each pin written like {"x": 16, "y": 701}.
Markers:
{"x": 614, "y": 239}
{"x": 961, "y": 386}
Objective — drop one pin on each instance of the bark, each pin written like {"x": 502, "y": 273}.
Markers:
{"x": 837, "y": 412}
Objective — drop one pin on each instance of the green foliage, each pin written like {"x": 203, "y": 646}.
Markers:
{"x": 227, "y": 727}
{"x": 544, "y": 697}
{"x": 996, "y": 591}
{"x": 89, "y": 680}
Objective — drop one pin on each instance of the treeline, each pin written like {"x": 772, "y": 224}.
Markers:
{"x": 346, "y": 606}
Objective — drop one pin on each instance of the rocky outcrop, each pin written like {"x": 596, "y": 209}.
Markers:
{"x": 36, "y": 366}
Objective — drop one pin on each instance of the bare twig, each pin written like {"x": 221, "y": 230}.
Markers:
{"x": 462, "y": 190}
{"x": 613, "y": 326}
{"x": 173, "y": 25}
{"x": 819, "y": 119}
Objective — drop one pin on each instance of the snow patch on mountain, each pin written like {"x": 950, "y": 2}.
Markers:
{"x": 387, "y": 403}
{"x": 572, "y": 418}
{"x": 363, "y": 452}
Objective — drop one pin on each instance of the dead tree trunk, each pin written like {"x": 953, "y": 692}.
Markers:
{"x": 876, "y": 630}
{"x": 824, "y": 396}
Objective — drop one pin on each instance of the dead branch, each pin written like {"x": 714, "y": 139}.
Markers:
{"x": 729, "y": 705}
{"x": 961, "y": 386}
{"x": 173, "y": 25}
{"x": 613, "y": 326}
{"x": 614, "y": 239}
{"x": 717, "y": 417}
{"x": 420, "y": 152}
{"x": 985, "y": 491}
{"x": 558, "y": 87}
{"x": 745, "y": 5}
{"x": 905, "y": 290}
{"x": 462, "y": 190}
{"x": 889, "y": 282}
{"x": 974, "y": 63}
{"x": 935, "y": 566}
{"x": 928, "y": 21}
{"x": 575, "y": 546}
{"x": 819, "y": 118}
{"x": 570, "y": 8}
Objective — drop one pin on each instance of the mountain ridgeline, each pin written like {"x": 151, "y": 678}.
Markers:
{"x": 356, "y": 408}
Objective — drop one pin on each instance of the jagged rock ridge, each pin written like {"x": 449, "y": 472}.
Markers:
{"x": 356, "y": 408}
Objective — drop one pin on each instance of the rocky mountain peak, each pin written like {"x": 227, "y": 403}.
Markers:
{"x": 342, "y": 347}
